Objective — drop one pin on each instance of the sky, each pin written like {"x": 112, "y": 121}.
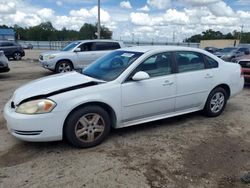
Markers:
{"x": 143, "y": 20}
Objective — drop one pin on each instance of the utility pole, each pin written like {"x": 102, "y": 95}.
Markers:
{"x": 174, "y": 36}
{"x": 99, "y": 21}
{"x": 241, "y": 33}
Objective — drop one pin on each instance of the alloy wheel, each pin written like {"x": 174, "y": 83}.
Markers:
{"x": 89, "y": 127}
{"x": 64, "y": 67}
{"x": 217, "y": 102}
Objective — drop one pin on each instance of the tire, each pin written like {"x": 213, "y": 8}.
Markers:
{"x": 63, "y": 66}
{"x": 87, "y": 127}
{"x": 216, "y": 102}
{"x": 17, "y": 56}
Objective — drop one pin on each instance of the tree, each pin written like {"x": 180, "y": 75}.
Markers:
{"x": 46, "y": 32}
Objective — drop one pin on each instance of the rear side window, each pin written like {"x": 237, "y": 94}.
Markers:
{"x": 189, "y": 61}
{"x": 107, "y": 45}
{"x": 211, "y": 62}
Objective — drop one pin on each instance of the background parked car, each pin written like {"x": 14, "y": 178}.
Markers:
{"x": 212, "y": 50}
{"x": 12, "y": 49}
{"x": 4, "y": 67}
{"x": 245, "y": 64}
{"x": 27, "y": 46}
{"x": 229, "y": 53}
{"x": 77, "y": 54}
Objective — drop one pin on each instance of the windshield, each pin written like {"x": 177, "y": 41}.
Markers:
{"x": 70, "y": 46}
{"x": 228, "y": 50}
{"x": 110, "y": 66}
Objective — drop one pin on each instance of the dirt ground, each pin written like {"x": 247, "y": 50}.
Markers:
{"x": 185, "y": 151}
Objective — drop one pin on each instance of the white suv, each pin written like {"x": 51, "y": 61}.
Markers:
{"x": 77, "y": 54}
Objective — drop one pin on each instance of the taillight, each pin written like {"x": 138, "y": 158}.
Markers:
{"x": 241, "y": 72}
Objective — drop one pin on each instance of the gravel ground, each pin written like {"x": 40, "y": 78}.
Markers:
{"x": 185, "y": 151}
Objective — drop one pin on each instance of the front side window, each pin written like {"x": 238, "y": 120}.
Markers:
{"x": 88, "y": 46}
{"x": 157, "y": 65}
{"x": 110, "y": 66}
{"x": 6, "y": 44}
{"x": 189, "y": 61}
{"x": 71, "y": 46}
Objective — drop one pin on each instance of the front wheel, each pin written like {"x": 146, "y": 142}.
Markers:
{"x": 87, "y": 126}
{"x": 17, "y": 56}
{"x": 63, "y": 66}
{"x": 216, "y": 102}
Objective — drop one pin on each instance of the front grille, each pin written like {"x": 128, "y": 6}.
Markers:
{"x": 245, "y": 64}
{"x": 27, "y": 133}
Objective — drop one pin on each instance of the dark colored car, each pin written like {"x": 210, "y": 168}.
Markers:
{"x": 12, "y": 50}
{"x": 212, "y": 50}
{"x": 4, "y": 67}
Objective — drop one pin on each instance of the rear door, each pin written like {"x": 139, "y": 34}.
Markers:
{"x": 194, "y": 80}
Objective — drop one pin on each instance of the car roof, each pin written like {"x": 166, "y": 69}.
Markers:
{"x": 98, "y": 40}
{"x": 144, "y": 49}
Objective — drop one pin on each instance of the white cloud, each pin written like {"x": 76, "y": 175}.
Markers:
{"x": 176, "y": 17}
{"x": 144, "y": 8}
{"x": 126, "y": 5}
{"x": 7, "y": 8}
{"x": 199, "y": 2}
{"x": 46, "y": 13}
{"x": 159, "y": 4}
{"x": 221, "y": 9}
{"x": 140, "y": 18}
{"x": 59, "y": 3}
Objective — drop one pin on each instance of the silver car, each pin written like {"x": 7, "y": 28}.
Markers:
{"x": 77, "y": 54}
{"x": 4, "y": 67}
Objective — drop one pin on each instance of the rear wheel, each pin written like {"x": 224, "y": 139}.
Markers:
{"x": 87, "y": 126}
{"x": 64, "y": 66}
{"x": 216, "y": 102}
{"x": 17, "y": 56}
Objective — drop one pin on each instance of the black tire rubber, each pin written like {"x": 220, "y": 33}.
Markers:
{"x": 71, "y": 121}
{"x": 15, "y": 57}
{"x": 60, "y": 62}
{"x": 207, "y": 110}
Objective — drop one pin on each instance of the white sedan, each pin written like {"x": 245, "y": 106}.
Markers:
{"x": 126, "y": 87}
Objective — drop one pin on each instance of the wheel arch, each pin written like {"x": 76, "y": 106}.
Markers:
{"x": 226, "y": 88}
{"x": 65, "y": 59}
{"x": 103, "y": 105}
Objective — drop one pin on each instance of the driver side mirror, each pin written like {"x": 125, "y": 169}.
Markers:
{"x": 141, "y": 75}
{"x": 78, "y": 50}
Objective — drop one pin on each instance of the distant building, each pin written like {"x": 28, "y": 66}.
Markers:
{"x": 222, "y": 43}
{"x": 7, "y": 34}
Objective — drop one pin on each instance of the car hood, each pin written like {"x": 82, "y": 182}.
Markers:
{"x": 52, "y": 85}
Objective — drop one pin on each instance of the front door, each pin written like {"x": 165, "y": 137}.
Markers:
{"x": 154, "y": 96}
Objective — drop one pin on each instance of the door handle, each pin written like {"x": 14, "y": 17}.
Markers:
{"x": 168, "y": 83}
{"x": 208, "y": 76}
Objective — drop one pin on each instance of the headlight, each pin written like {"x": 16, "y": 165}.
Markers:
{"x": 48, "y": 57}
{"x": 36, "y": 107}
